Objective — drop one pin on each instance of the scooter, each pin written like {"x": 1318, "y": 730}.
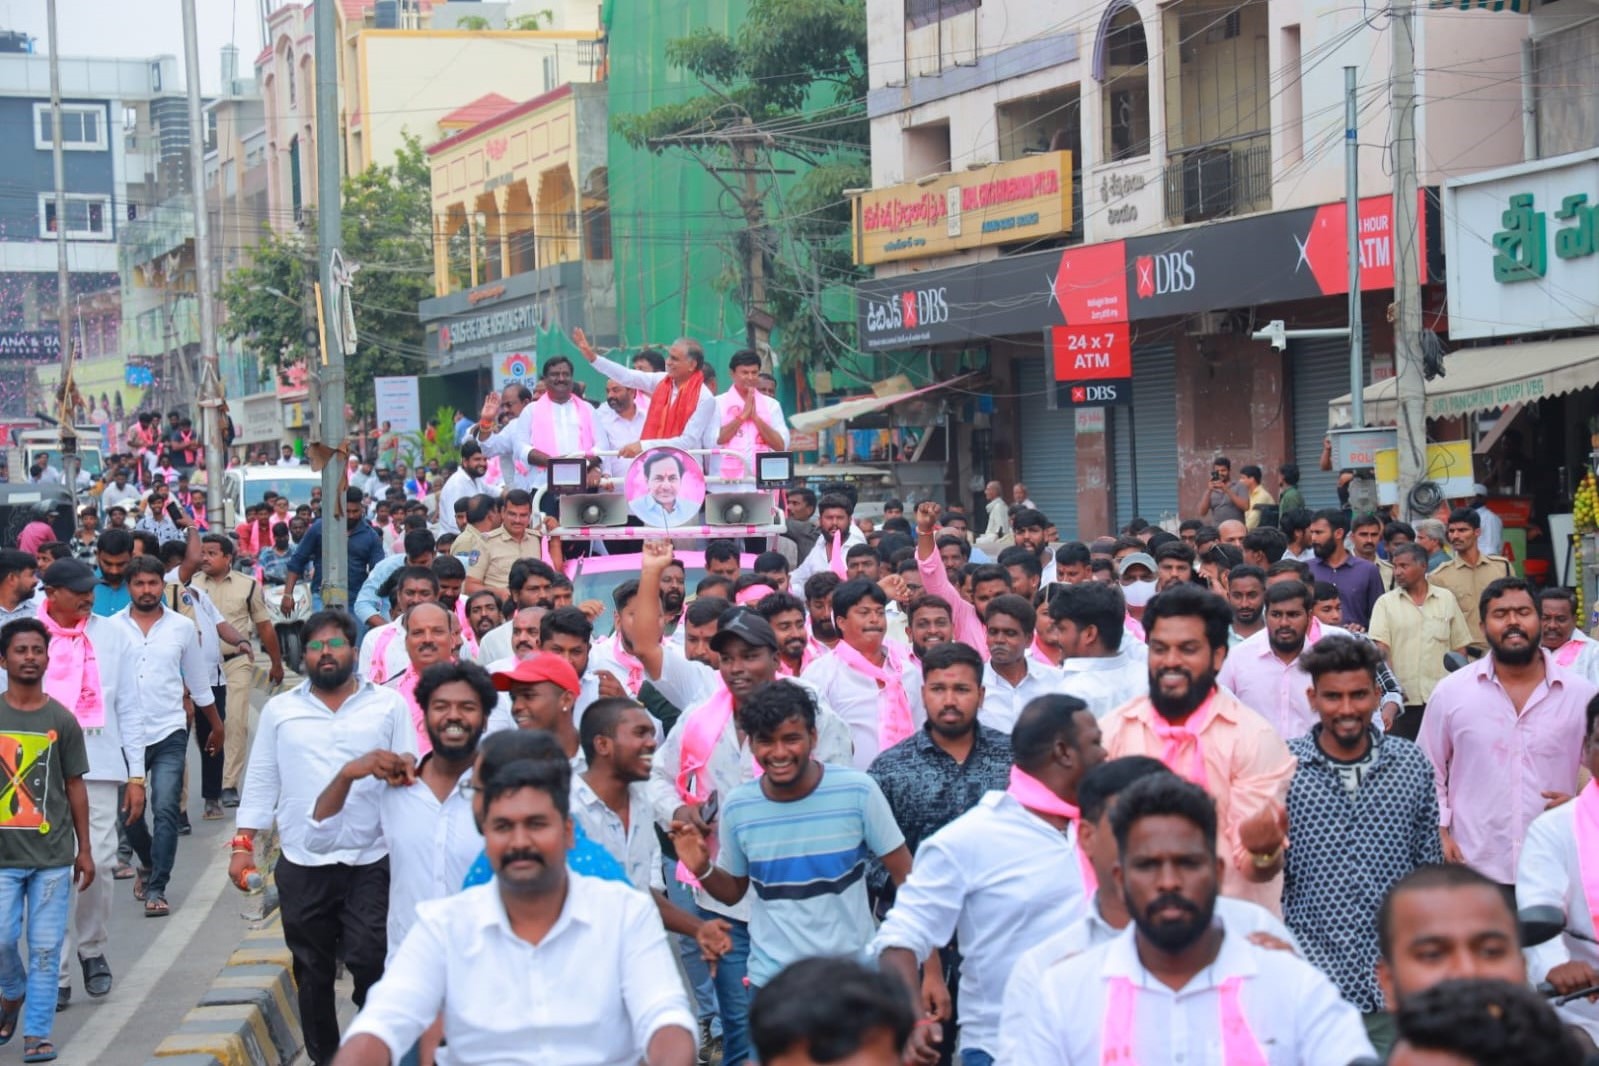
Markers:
{"x": 290, "y": 628}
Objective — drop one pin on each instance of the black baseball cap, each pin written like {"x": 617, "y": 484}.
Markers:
{"x": 743, "y": 624}
{"x": 70, "y": 574}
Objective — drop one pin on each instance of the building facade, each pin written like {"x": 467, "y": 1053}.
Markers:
{"x": 1205, "y": 147}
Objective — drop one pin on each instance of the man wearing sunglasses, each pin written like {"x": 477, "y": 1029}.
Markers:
{"x": 335, "y": 900}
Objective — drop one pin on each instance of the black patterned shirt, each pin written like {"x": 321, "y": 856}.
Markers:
{"x": 927, "y": 789}
{"x": 1347, "y": 847}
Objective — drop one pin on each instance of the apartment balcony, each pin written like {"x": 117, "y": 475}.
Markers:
{"x": 1219, "y": 179}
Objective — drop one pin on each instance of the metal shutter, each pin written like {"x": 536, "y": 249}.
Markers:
{"x": 1048, "y": 447}
{"x": 1320, "y": 373}
{"x": 1146, "y": 443}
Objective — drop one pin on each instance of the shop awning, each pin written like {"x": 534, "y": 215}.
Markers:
{"x": 1482, "y": 379}
{"x": 848, "y": 410}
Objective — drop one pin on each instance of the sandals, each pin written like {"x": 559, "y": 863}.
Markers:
{"x": 141, "y": 879}
{"x": 96, "y": 976}
{"x": 38, "y": 1049}
{"x": 121, "y": 872}
{"x": 155, "y": 906}
{"x": 10, "y": 1012}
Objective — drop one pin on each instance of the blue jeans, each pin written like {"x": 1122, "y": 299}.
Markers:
{"x": 699, "y": 975}
{"x": 976, "y": 1057}
{"x": 46, "y": 895}
{"x": 732, "y": 994}
{"x": 163, "y": 776}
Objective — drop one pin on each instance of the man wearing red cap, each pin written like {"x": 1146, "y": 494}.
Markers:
{"x": 544, "y": 689}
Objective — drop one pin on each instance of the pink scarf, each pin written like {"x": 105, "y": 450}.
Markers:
{"x": 1238, "y": 1044}
{"x": 1568, "y": 652}
{"x": 738, "y": 460}
{"x": 701, "y": 732}
{"x": 1186, "y": 735}
{"x": 73, "y": 677}
{"x": 1040, "y": 653}
{"x": 814, "y": 649}
{"x": 1586, "y": 820}
{"x": 380, "y": 655}
{"x": 542, "y": 426}
{"x": 635, "y": 669}
{"x": 1033, "y": 794}
{"x": 836, "y": 563}
{"x": 468, "y": 638}
{"x": 894, "y": 707}
{"x": 406, "y": 687}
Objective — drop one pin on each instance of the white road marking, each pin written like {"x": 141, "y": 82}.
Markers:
{"x": 94, "y": 1039}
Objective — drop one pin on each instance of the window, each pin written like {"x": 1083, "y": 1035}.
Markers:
{"x": 926, "y": 12}
{"x": 288, "y": 65}
{"x": 88, "y": 217}
{"x": 1125, "y": 94}
{"x": 82, "y": 128}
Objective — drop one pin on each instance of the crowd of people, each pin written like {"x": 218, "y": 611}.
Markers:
{"x": 894, "y": 791}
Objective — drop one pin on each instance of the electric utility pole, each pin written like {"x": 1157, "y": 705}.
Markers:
{"x": 330, "y": 400}
{"x": 69, "y": 438}
{"x": 211, "y": 416}
{"x": 1411, "y": 383}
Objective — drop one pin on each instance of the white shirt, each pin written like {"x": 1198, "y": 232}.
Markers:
{"x": 635, "y": 845}
{"x": 289, "y": 460}
{"x": 689, "y": 685}
{"x": 612, "y": 432}
{"x": 510, "y": 444}
{"x": 113, "y": 496}
{"x": 998, "y": 878}
{"x": 300, "y": 746}
{"x": 457, "y": 485}
{"x": 1239, "y": 916}
{"x": 395, "y": 657}
{"x": 1491, "y": 533}
{"x": 1549, "y": 875}
{"x": 702, "y": 428}
{"x": 1294, "y": 1013}
{"x": 163, "y": 663}
{"x": 854, "y": 697}
{"x": 431, "y": 845}
{"x": 747, "y": 442}
{"x": 496, "y": 644}
{"x": 1003, "y": 702}
{"x": 817, "y": 561}
{"x": 1105, "y": 683}
{"x": 593, "y": 992}
{"x": 206, "y": 619}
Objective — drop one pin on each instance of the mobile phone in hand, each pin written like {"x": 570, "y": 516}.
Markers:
{"x": 173, "y": 512}
{"x": 711, "y": 808}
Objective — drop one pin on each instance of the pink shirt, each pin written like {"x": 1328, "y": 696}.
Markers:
{"x": 1246, "y": 765}
{"x": 969, "y": 628}
{"x": 34, "y": 534}
{"x": 1491, "y": 764}
{"x": 1279, "y": 692}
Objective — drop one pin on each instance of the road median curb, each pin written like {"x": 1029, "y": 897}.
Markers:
{"x": 248, "y": 1017}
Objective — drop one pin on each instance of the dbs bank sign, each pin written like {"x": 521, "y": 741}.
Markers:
{"x": 1166, "y": 274}
{"x": 907, "y": 317}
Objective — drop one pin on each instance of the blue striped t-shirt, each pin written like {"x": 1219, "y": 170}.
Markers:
{"x": 806, "y": 861}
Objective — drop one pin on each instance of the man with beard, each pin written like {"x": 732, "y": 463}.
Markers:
{"x": 1013, "y": 678}
{"x": 335, "y": 903}
{"x": 482, "y": 614}
{"x": 619, "y": 422}
{"x": 682, "y": 408}
{"x": 1361, "y": 815}
{"x": 166, "y": 658}
{"x": 1468, "y": 573}
{"x": 1358, "y": 582}
{"x": 1090, "y": 625}
{"x": 796, "y": 650}
{"x": 565, "y": 968}
{"x": 505, "y": 546}
{"x": 428, "y": 642}
{"x": 1504, "y": 735}
{"x": 836, "y": 535}
{"x": 1107, "y": 915}
{"x": 382, "y": 652}
{"x": 1206, "y": 735}
{"x": 708, "y": 755}
{"x": 1571, "y": 647}
{"x": 419, "y": 812}
{"x": 1174, "y": 565}
{"x": 1002, "y": 875}
{"x": 799, "y": 524}
{"x": 930, "y": 623}
{"x": 819, "y": 607}
{"x": 1415, "y": 624}
{"x": 366, "y": 551}
{"x": 800, "y": 836}
{"x": 111, "y": 557}
{"x": 467, "y": 481}
{"x": 864, "y": 678}
{"x": 1179, "y": 979}
{"x": 966, "y": 615}
{"x": 1246, "y": 594}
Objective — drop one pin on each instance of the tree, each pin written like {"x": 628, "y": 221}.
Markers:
{"x": 796, "y": 70}
{"x": 387, "y": 229}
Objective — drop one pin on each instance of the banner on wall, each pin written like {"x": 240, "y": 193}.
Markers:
{"x": 515, "y": 368}
{"x": 399, "y": 403}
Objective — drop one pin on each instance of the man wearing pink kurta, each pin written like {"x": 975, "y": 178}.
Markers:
{"x": 1504, "y": 735}
{"x": 1203, "y": 733}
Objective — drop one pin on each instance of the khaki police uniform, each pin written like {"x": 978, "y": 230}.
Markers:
{"x": 1466, "y": 583}
{"x": 243, "y": 606}
{"x": 499, "y": 553}
{"x": 467, "y": 545}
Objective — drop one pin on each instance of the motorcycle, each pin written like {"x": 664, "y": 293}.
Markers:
{"x": 290, "y": 627}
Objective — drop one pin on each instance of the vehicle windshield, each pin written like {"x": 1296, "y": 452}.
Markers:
{"x": 596, "y": 578}
{"x": 88, "y": 458}
{"x": 297, "y": 489}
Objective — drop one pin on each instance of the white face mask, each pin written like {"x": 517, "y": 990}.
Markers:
{"x": 1139, "y": 593}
